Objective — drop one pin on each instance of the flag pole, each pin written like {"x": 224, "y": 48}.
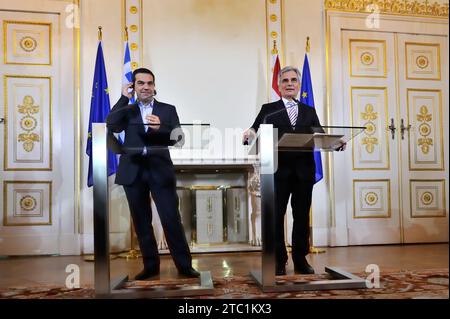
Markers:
{"x": 132, "y": 253}
{"x": 312, "y": 249}
{"x": 91, "y": 257}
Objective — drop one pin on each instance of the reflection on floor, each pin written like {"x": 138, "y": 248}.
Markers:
{"x": 35, "y": 271}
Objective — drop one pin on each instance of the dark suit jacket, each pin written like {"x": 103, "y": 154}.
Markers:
{"x": 299, "y": 163}
{"x": 127, "y": 117}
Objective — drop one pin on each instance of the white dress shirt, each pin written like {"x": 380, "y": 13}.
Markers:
{"x": 146, "y": 109}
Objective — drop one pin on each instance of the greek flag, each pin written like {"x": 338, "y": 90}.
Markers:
{"x": 127, "y": 73}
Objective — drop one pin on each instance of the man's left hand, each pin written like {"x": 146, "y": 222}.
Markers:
{"x": 341, "y": 147}
{"x": 154, "y": 121}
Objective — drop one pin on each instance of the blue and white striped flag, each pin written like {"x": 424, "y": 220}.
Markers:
{"x": 127, "y": 73}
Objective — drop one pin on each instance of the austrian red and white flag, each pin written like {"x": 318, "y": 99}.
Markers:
{"x": 275, "y": 94}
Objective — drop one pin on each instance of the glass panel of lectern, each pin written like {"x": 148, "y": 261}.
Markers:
{"x": 267, "y": 144}
{"x": 153, "y": 141}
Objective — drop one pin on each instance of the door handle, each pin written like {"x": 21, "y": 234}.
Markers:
{"x": 404, "y": 128}
{"x": 2, "y": 120}
{"x": 392, "y": 128}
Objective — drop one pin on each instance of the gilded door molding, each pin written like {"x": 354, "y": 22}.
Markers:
{"x": 28, "y": 124}
{"x": 132, "y": 18}
{"x": 392, "y": 7}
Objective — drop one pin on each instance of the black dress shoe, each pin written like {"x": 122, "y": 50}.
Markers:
{"x": 147, "y": 273}
{"x": 280, "y": 271}
{"x": 303, "y": 268}
{"x": 189, "y": 272}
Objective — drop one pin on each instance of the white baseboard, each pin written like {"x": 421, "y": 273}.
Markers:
{"x": 29, "y": 245}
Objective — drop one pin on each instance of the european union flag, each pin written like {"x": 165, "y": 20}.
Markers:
{"x": 307, "y": 97}
{"x": 100, "y": 107}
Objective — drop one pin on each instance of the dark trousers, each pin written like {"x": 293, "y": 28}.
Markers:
{"x": 166, "y": 201}
{"x": 301, "y": 192}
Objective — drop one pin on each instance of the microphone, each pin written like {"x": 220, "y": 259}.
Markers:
{"x": 297, "y": 102}
{"x": 153, "y": 94}
{"x": 131, "y": 90}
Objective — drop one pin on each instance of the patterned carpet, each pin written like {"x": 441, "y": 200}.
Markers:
{"x": 424, "y": 284}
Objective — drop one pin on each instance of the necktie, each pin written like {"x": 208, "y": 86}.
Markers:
{"x": 292, "y": 112}
{"x": 146, "y": 110}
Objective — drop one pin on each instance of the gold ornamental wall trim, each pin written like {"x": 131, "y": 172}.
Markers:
{"x": 398, "y": 7}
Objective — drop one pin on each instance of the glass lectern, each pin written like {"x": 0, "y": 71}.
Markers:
{"x": 154, "y": 141}
{"x": 267, "y": 144}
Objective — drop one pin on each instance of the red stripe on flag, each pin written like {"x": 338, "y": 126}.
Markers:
{"x": 276, "y": 71}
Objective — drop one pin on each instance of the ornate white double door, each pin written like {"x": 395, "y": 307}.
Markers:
{"x": 396, "y": 172}
{"x": 37, "y": 166}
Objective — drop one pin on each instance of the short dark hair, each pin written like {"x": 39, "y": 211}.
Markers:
{"x": 141, "y": 70}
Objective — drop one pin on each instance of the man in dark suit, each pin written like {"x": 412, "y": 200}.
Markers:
{"x": 296, "y": 170}
{"x": 143, "y": 170}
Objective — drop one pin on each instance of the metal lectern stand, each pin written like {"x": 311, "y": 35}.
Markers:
{"x": 104, "y": 287}
{"x": 266, "y": 142}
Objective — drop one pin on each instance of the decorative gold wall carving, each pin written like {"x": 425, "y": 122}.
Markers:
{"x": 396, "y": 7}
{"x": 369, "y": 108}
{"x": 425, "y": 129}
{"x": 28, "y": 139}
{"x": 423, "y": 61}
{"x": 28, "y": 123}
{"x": 275, "y": 39}
{"x": 367, "y": 58}
{"x": 371, "y": 198}
{"x": 370, "y": 115}
{"x": 427, "y": 198}
{"x": 27, "y": 203}
{"x": 132, "y": 17}
{"x": 426, "y": 138}
{"x": 27, "y": 43}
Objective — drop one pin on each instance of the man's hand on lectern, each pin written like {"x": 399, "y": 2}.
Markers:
{"x": 248, "y": 136}
{"x": 341, "y": 147}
